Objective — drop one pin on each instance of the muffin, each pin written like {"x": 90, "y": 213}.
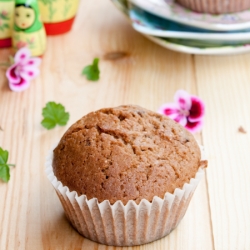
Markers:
{"x": 215, "y": 6}
{"x": 125, "y": 175}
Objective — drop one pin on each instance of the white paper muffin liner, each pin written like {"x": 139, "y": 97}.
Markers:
{"x": 216, "y": 6}
{"x": 119, "y": 225}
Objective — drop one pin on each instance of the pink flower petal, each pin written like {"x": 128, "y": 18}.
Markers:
{"x": 169, "y": 109}
{"x": 29, "y": 73}
{"x": 172, "y": 111}
{"x": 11, "y": 74}
{"x": 197, "y": 109}
{"x": 181, "y": 119}
{"x": 194, "y": 127}
{"x": 21, "y": 86}
{"x": 22, "y": 55}
{"x": 183, "y": 99}
{"x": 35, "y": 61}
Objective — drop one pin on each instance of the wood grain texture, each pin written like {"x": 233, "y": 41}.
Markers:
{"x": 133, "y": 71}
{"x": 224, "y": 86}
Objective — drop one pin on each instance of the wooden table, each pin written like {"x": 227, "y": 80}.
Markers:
{"x": 133, "y": 71}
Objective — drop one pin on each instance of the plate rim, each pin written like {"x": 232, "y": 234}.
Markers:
{"x": 194, "y": 23}
{"x": 225, "y": 50}
{"x": 188, "y": 35}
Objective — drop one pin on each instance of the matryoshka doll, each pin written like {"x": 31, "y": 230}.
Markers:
{"x": 6, "y": 22}
{"x": 28, "y": 28}
{"x": 58, "y": 15}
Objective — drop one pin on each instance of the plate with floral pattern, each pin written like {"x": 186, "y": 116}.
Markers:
{"x": 169, "y": 9}
{"x": 189, "y": 46}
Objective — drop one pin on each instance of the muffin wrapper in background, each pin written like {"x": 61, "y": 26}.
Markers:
{"x": 120, "y": 225}
{"x": 216, "y": 6}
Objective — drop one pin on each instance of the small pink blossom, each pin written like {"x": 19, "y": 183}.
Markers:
{"x": 4, "y": 13}
{"x": 24, "y": 69}
{"x": 187, "y": 110}
{"x": 31, "y": 40}
{"x": 21, "y": 44}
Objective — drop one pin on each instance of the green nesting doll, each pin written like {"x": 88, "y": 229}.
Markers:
{"x": 28, "y": 28}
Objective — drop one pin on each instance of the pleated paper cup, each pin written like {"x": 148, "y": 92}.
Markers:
{"x": 216, "y": 6}
{"x": 119, "y": 224}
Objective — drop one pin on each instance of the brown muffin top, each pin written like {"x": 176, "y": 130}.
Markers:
{"x": 125, "y": 153}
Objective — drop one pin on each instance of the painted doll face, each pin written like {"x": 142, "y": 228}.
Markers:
{"x": 24, "y": 17}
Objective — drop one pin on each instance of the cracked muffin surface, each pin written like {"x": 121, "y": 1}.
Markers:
{"x": 126, "y": 153}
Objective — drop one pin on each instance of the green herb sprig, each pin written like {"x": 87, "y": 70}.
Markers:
{"x": 92, "y": 71}
{"x": 4, "y": 166}
{"x": 54, "y": 113}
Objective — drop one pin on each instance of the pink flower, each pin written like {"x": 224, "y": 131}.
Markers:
{"x": 24, "y": 69}
{"x": 187, "y": 110}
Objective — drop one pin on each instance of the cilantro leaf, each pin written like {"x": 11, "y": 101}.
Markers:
{"x": 4, "y": 167}
{"x": 92, "y": 71}
{"x": 54, "y": 113}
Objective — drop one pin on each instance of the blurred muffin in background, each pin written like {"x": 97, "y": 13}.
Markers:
{"x": 215, "y": 6}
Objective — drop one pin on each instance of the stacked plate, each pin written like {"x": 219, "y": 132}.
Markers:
{"x": 180, "y": 29}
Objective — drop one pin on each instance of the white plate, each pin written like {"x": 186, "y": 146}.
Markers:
{"x": 170, "y": 10}
{"x": 226, "y": 50}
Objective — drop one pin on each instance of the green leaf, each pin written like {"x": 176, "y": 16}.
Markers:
{"x": 4, "y": 166}
{"x": 54, "y": 113}
{"x": 4, "y": 17}
{"x": 4, "y": 172}
{"x": 48, "y": 123}
{"x": 4, "y": 154}
{"x": 92, "y": 71}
